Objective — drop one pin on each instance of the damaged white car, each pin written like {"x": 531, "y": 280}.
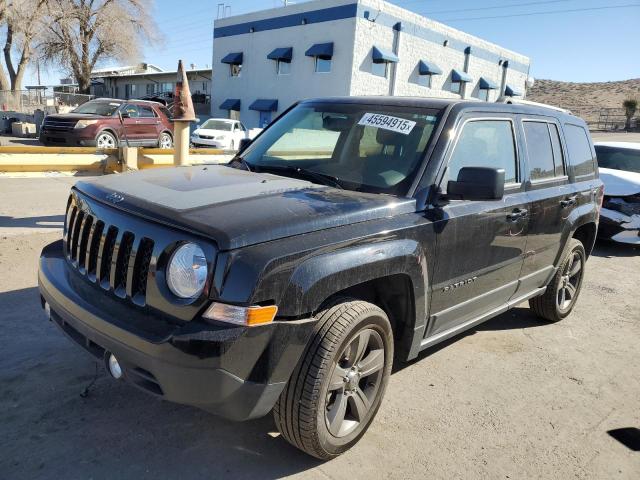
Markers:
{"x": 619, "y": 164}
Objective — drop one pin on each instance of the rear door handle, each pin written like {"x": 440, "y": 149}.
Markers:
{"x": 567, "y": 202}
{"x": 517, "y": 214}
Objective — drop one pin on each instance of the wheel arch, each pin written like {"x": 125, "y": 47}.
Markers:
{"x": 392, "y": 275}
{"x": 586, "y": 233}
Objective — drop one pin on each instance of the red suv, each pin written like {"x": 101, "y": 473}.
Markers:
{"x": 97, "y": 123}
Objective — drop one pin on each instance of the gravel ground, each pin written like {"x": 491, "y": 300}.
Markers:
{"x": 513, "y": 398}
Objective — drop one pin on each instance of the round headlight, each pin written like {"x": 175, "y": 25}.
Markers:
{"x": 187, "y": 271}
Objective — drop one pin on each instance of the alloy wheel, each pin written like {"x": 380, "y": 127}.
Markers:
{"x": 569, "y": 282}
{"x": 355, "y": 382}
{"x": 165, "y": 141}
{"x": 105, "y": 140}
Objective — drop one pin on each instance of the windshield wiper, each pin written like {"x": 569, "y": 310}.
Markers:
{"x": 322, "y": 178}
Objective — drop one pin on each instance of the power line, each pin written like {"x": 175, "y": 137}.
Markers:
{"x": 549, "y": 12}
{"x": 510, "y": 5}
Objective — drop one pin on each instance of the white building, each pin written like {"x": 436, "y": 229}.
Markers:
{"x": 267, "y": 60}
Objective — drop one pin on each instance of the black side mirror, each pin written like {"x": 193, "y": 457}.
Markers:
{"x": 123, "y": 114}
{"x": 477, "y": 183}
{"x": 244, "y": 143}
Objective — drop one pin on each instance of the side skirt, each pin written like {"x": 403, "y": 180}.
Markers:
{"x": 440, "y": 337}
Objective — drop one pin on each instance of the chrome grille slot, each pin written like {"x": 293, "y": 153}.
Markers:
{"x": 141, "y": 271}
{"x": 71, "y": 218}
{"x": 82, "y": 244}
{"x": 93, "y": 249}
{"x": 122, "y": 264}
{"x": 75, "y": 234}
{"x": 107, "y": 257}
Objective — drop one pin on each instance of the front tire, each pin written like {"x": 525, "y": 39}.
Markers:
{"x": 338, "y": 385}
{"x": 106, "y": 140}
{"x": 561, "y": 295}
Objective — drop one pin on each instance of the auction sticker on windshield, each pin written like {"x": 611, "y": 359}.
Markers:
{"x": 387, "y": 122}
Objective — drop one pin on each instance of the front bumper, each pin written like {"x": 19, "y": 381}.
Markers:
{"x": 618, "y": 227}
{"x": 65, "y": 139}
{"x": 206, "y": 142}
{"x": 235, "y": 372}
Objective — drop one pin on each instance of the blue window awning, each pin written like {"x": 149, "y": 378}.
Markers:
{"x": 322, "y": 50}
{"x": 233, "y": 58}
{"x": 284, "y": 54}
{"x": 458, "y": 76}
{"x": 264, "y": 105}
{"x": 512, "y": 92}
{"x": 486, "y": 84}
{"x": 380, "y": 55}
{"x": 428, "y": 68}
{"x": 231, "y": 104}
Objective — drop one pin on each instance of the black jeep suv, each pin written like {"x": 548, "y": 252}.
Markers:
{"x": 349, "y": 233}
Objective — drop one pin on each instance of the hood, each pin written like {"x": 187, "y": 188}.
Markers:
{"x": 237, "y": 208}
{"x": 74, "y": 116}
{"x": 209, "y": 131}
{"x": 620, "y": 183}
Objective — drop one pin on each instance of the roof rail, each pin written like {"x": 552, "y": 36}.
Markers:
{"x": 517, "y": 101}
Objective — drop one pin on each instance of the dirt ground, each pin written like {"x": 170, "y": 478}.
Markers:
{"x": 514, "y": 398}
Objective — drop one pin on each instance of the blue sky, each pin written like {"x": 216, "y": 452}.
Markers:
{"x": 581, "y": 46}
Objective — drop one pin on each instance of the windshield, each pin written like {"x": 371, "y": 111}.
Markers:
{"x": 213, "y": 124}
{"x": 370, "y": 148}
{"x": 104, "y": 109}
{"x": 618, "y": 158}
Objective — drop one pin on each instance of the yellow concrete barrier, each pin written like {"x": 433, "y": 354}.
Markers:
{"x": 61, "y": 159}
{"x": 158, "y": 157}
{"x": 92, "y": 160}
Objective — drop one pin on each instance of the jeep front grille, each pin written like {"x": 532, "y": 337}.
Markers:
{"x": 116, "y": 259}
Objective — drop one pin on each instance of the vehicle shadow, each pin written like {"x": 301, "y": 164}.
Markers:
{"x": 46, "y": 221}
{"x": 116, "y": 431}
{"x": 608, "y": 249}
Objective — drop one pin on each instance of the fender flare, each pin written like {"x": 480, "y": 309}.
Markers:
{"x": 322, "y": 276}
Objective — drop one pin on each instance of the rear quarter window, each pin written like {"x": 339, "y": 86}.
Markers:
{"x": 580, "y": 154}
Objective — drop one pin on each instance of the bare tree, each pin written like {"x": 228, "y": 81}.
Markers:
{"x": 22, "y": 19}
{"x": 83, "y": 33}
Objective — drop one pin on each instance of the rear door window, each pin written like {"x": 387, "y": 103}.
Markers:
{"x": 580, "y": 154}
{"x": 558, "y": 155}
{"x": 544, "y": 150}
{"x": 485, "y": 143}
{"x": 540, "y": 152}
{"x": 146, "y": 111}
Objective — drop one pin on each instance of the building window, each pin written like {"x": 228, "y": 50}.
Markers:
{"x": 456, "y": 87}
{"x": 323, "y": 65}
{"x": 235, "y": 69}
{"x": 151, "y": 88}
{"x": 425, "y": 80}
{"x": 380, "y": 69}
{"x": 483, "y": 94}
{"x": 284, "y": 68}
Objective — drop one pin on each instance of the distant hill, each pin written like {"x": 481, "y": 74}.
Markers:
{"x": 584, "y": 99}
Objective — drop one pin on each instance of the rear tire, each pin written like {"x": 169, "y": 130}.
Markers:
{"x": 561, "y": 295}
{"x": 165, "y": 141}
{"x": 337, "y": 387}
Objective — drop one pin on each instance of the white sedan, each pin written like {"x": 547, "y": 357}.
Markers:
{"x": 219, "y": 133}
